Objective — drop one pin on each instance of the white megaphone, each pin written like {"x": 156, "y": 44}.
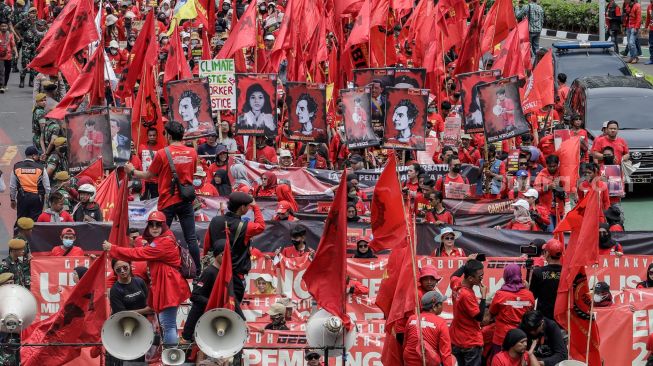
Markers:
{"x": 220, "y": 333}
{"x": 173, "y": 356}
{"x": 17, "y": 308}
{"x": 326, "y": 330}
{"x": 571, "y": 363}
{"x": 127, "y": 335}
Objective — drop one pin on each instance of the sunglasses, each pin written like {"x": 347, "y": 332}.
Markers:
{"x": 155, "y": 224}
{"x": 363, "y": 246}
{"x": 448, "y": 238}
{"x": 312, "y": 357}
{"x": 122, "y": 269}
{"x": 523, "y": 163}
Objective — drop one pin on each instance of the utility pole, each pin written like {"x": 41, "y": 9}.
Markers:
{"x": 602, "y": 20}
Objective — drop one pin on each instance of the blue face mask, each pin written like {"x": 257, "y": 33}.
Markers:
{"x": 68, "y": 243}
{"x": 197, "y": 182}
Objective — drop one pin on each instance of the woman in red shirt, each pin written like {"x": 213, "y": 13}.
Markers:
{"x": 412, "y": 183}
{"x": 447, "y": 238}
{"x": 169, "y": 288}
{"x": 268, "y": 185}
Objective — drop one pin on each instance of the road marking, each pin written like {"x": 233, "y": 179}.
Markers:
{"x": 9, "y": 155}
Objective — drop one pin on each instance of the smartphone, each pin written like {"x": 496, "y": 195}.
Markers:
{"x": 530, "y": 250}
{"x": 480, "y": 257}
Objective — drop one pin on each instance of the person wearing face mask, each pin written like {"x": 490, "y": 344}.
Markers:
{"x": 117, "y": 57}
{"x": 648, "y": 282}
{"x": 607, "y": 245}
{"x": 354, "y": 199}
{"x": 67, "y": 247}
{"x": 363, "y": 249}
{"x": 602, "y": 296}
{"x": 16, "y": 263}
{"x": 298, "y": 241}
{"x": 202, "y": 186}
{"x": 610, "y": 139}
{"x": 453, "y": 176}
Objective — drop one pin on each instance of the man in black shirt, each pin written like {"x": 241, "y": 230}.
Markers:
{"x": 277, "y": 313}
{"x": 545, "y": 280}
{"x": 550, "y": 348}
{"x": 128, "y": 292}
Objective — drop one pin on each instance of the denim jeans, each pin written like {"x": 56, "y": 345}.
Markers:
{"x": 650, "y": 45}
{"x": 612, "y": 34}
{"x": 467, "y": 356}
{"x": 168, "y": 322}
{"x": 534, "y": 38}
{"x": 186, "y": 215}
{"x": 634, "y": 49}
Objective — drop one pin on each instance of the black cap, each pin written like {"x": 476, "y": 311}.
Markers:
{"x": 31, "y": 150}
{"x": 298, "y": 230}
{"x": 601, "y": 287}
{"x": 237, "y": 199}
{"x": 355, "y": 159}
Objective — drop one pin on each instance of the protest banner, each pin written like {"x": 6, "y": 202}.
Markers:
{"x": 121, "y": 139}
{"x": 410, "y": 78}
{"x": 468, "y": 85}
{"x": 221, "y": 74}
{"x": 378, "y": 80}
{"x": 189, "y": 103}
{"x": 357, "y": 118}
{"x": 306, "y": 105}
{"x": 615, "y": 180}
{"x": 503, "y": 117}
{"x": 405, "y": 119}
{"x": 451, "y": 134}
{"x": 89, "y": 136}
{"x": 256, "y": 100}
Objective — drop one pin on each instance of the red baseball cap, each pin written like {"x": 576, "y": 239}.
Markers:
{"x": 554, "y": 247}
{"x": 429, "y": 271}
{"x": 157, "y": 216}
{"x": 68, "y": 231}
{"x": 283, "y": 207}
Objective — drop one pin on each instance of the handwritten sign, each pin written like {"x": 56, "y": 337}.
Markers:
{"x": 222, "y": 82}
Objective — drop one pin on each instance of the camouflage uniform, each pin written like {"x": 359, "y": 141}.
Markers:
{"x": 31, "y": 40}
{"x": 20, "y": 269}
{"x": 51, "y": 129}
{"x": 68, "y": 202}
{"x": 38, "y": 117}
{"x": 59, "y": 163}
{"x": 9, "y": 355}
{"x": 5, "y": 12}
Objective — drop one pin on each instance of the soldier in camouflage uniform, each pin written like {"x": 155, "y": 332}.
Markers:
{"x": 17, "y": 15}
{"x": 9, "y": 355}
{"x": 24, "y": 226}
{"x": 51, "y": 132}
{"x": 62, "y": 185}
{"x": 58, "y": 160}
{"x": 39, "y": 122}
{"x": 16, "y": 263}
{"x": 32, "y": 37}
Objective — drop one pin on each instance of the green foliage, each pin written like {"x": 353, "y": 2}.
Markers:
{"x": 579, "y": 17}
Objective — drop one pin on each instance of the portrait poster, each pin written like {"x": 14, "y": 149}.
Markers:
{"x": 405, "y": 123}
{"x": 89, "y": 137}
{"x": 410, "y": 78}
{"x": 189, "y": 103}
{"x": 222, "y": 82}
{"x": 357, "y": 118}
{"x": 363, "y": 77}
{"x": 306, "y": 106}
{"x": 378, "y": 80}
{"x": 120, "y": 126}
{"x": 615, "y": 180}
{"x": 451, "y": 133}
{"x": 503, "y": 117}
{"x": 468, "y": 85}
{"x": 256, "y": 104}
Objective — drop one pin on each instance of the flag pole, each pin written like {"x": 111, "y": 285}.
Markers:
{"x": 569, "y": 321}
{"x": 589, "y": 328}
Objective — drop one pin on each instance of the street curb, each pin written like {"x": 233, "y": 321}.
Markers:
{"x": 583, "y": 36}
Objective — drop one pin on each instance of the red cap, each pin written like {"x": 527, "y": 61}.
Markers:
{"x": 367, "y": 238}
{"x": 157, "y": 216}
{"x": 68, "y": 231}
{"x": 283, "y": 207}
{"x": 429, "y": 271}
{"x": 554, "y": 247}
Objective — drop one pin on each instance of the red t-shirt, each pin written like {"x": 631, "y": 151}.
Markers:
{"x": 456, "y": 252}
{"x": 465, "y": 330}
{"x": 292, "y": 252}
{"x": 446, "y": 179}
{"x": 619, "y": 146}
{"x": 445, "y": 216}
{"x": 508, "y": 309}
{"x": 64, "y": 216}
{"x": 8, "y": 43}
{"x": 185, "y": 160}
{"x": 437, "y": 344}
{"x": 207, "y": 189}
{"x": 503, "y": 359}
{"x": 59, "y": 250}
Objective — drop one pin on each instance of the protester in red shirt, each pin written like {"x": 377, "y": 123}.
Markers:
{"x": 268, "y": 185}
{"x": 411, "y": 185}
{"x": 515, "y": 351}
{"x": 548, "y": 181}
{"x": 510, "y": 303}
{"x": 117, "y": 57}
{"x": 434, "y": 334}
{"x": 468, "y": 154}
{"x": 438, "y": 214}
{"x": 338, "y": 151}
{"x": 422, "y": 203}
{"x": 563, "y": 91}
{"x": 170, "y": 202}
{"x": 284, "y": 212}
{"x": 634, "y": 23}
{"x": 428, "y": 280}
{"x": 8, "y": 44}
{"x": 312, "y": 159}
{"x": 647, "y": 283}
{"x": 298, "y": 247}
{"x": 284, "y": 193}
{"x": 465, "y": 330}
{"x": 593, "y": 181}
{"x": 55, "y": 213}
{"x": 613, "y": 217}
{"x": 540, "y": 214}
{"x": 265, "y": 153}
{"x": 607, "y": 245}
{"x": 522, "y": 218}
{"x": 68, "y": 247}
{"x": 649, "y": 26}
{"x": 447, "y": 248}
{"x": 202, "y": 186}
{"x": 618, "y": 145}
{"x": 453, "y": 176}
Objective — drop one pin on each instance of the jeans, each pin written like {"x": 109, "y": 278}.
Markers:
{"x": 168, "y": 322}
{"x": 612, "y": 35}
{"x": 650, "y": 45}
{"x": 5, "y": 71}
{"x": 467, "y": 356}
{"x": 534, "y": 37}
{"x": 634, "y": 49}
{"x": 186, "y": 216}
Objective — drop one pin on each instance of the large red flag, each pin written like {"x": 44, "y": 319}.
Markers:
{"x": 79, "y": 320}
{"x": 538, "y": 91}
{"x": 89, "y": 83}
{"x": 373, "y": 13}
{"x": 145, "y": 53}
{"x": 94, "y": 171}
{"x": 509, "y": 59}
{"x": 470, "y": 51}
{"x": 118, "y": 235}
{"x": 73, "y": 30}
{"x": 177, "y": 67}
{"x": 146, "y": 112}
{"x": 242, "y": 34}
{"x": 388, "y": 219}
{"x": 222, "y": 294}
{"x": 206, "y": 13}
{"x": 342, "y": 7}
{"x": 569, "y": 154}
{"x": 499, "y": 21}
{"x": 107, "y": 194}
{"x": 325, "y": 277}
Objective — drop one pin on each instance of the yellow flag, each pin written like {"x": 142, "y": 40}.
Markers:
{"x": 185, "y": 9}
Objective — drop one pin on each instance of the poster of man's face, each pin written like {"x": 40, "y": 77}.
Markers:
{"x": 503, "y": 117}
{"x": 306, "y": 104}
{"x": 377, "y": 80}
{"x": 89, "y": 137}
{"x": 256, "y": 101}
{"x": 189, "y": 102}
{"x": 410, "y": 78}
{"x": 356, "y": 116}
{"x": 468, "y": 85}
{"x": 120, "y": 126}
{"x": 405, "y": 123}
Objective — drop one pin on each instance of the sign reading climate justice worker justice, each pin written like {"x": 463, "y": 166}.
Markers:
{"x": 222, "y": 82}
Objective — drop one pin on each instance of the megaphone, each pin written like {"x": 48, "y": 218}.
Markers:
{"x": 571, "y": 363}
{"x": 326, "y": 330}
{"x": 173, "y": 356}
{"x": 127, "y": 335}
{"x": 220, "y": 333}
{"x": 17, "y": 308}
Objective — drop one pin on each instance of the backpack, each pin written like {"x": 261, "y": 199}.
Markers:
{"x": 188, "y": 269}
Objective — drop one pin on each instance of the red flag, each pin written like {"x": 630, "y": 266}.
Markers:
{"x": 388, "y": 219}
{"x": 107, "y": 195}
{"x": 93, "y": 171}
{"x": 538, "y": 91}
{"x": 177, "y": 67}
{"x": 118, "y": 235}
{"x": 74, "y": 31}
{"x": 325, "y": 276}
{"x": 499, "y": 21}
{"x": 71, "y": 70}
{"x": 569, "y": 154}
{"x": 206, "y": 13}
{"x": 206, "y": 47}
{"x": 146, "y": 52}
{"x": 147, "y": 110}
{"x": 79, "y": 320}
{"x": 222, "y": 294}
{"x": 470, "y": 51}
{"x": 373, "y": 13}
{"x": 243, "y": 34}
{"x": 89, "y": 83}
{"x": 342, "y": 7}
{"x": 509, "y": 59}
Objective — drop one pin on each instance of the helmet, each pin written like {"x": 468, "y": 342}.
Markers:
{"x": 87, "y": 188}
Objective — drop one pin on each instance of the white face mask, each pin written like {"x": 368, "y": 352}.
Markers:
{"x": 197, "y": 182}
{"x": 598, "y": 298}
{"x": 113, "y": 51}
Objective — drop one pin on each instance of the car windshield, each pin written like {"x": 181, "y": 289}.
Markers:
{"x": 632, "y": 112}
{"x": 577, "y": 66}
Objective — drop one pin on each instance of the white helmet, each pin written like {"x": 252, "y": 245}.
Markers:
{"x": 87, "y": 188}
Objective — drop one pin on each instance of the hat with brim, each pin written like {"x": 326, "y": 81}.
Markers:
{"x": 432, "y": 298}
{"x": 429, "y": 271}
{"x": 6, "y": 277}
{"x": 276, "y": 309}
{"x": 447, "y": 230}
{"x": 521, "y": 203}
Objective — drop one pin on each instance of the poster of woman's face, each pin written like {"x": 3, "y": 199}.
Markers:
{"x": 410, "y": 78}
{"x": 503, "y": 117}
{"x": 306, "y": 104}
{"x": 89, "y": 137}
{"x": 189, "y": 102}
{"x": 468, "y": 85}
{"x": 120, "y": 126}
{"x": 356, "y": 116}
{"x": 256, "y": 100}
{"x": 405, "y": 123}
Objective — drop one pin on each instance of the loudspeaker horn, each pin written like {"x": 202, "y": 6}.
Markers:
{"x": 17, "y": 308}
{"x": 173, "y": 356}
{"x": 127, "y": 335}
{"x": 220, "y": 333}
{"x": 326, "y": 330}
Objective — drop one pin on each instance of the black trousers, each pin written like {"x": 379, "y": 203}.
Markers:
{"x": 29, "y": 205}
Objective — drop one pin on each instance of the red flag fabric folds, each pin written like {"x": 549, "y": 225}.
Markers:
{"x": 145, "y": 53}
{"x": 118, "y": 234}
{"x": 569, "y": 154}
{"x": 146, "y": 112}
{"x": 510, "y": 59}
{"x": 79, "y": 320}
{"x": 242, "y": 35}
{"x": 177, "y": 67}
{"x": 373, "y": 13}
{"x": 538, "y": 91}
{"x": 325, "y": 277}
{"x": 499, "y": 21}
{"x": 107, "y": 194}
{"x": 222, "y": 294}
{"x": 93, "y": 171}
{"x": 470, "y": 52}
{"x": 388, "y": 220}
